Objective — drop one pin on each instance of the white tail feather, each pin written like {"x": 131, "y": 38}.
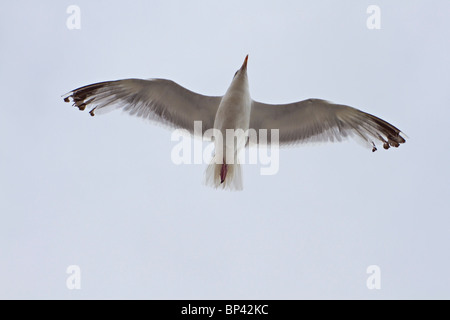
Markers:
{"x": 233, "y": 179}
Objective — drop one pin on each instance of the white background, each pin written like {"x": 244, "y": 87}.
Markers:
{"x": 103, "y": 194}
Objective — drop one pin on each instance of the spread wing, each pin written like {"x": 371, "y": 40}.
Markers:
{"x": 157, "y": 99}
{"x": 319, "y": 120}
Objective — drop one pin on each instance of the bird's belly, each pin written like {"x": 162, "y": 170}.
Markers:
{"x": 233, "y": 114}
{"x": 232, "y": 121}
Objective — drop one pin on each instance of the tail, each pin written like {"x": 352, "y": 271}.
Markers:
{"x": 224, "y": 175}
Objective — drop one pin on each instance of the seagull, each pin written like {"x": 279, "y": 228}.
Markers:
{"x": 167, "y": 102}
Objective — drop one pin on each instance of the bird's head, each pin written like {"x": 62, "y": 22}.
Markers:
{"x": 242, "y": 72}
{"x": 240, "y": 80}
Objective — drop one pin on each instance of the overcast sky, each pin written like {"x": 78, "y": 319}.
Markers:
{"x": 103, "y": 194}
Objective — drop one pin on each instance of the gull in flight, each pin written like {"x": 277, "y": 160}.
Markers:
{"x": 171, "y": 104}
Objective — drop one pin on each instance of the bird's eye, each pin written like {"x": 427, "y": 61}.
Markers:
{"x": 235, "y": 73}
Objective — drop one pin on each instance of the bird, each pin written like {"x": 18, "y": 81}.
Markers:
{"x": 169, "y": 103}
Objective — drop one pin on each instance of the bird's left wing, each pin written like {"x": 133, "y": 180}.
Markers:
{"x": 320, "y": 120}
{"x": 157, "y": 99}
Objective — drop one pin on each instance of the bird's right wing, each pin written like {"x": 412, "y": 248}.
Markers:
{"x": 157, "y": 99}
{"x": 320, "y": 120}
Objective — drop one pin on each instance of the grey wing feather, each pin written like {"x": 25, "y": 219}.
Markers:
{"x": 157, "y": 99}
{"x": 319, "y": 120}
